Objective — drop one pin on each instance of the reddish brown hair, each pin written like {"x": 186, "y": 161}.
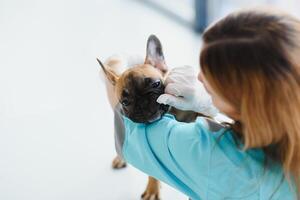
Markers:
{"x": 252, "y": 58}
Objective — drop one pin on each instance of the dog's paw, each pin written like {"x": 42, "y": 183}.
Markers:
{"x": 150, "y": 195}
{"x": 152, "y": 190}
{"x": 118, "y": 163}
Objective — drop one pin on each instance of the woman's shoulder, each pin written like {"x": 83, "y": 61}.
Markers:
{"x": 212, "y": 125}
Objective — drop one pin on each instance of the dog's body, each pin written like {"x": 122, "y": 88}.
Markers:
{"x": 136, "y": 89}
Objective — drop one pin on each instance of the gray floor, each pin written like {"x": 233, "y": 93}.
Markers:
{"x": 56, "y": 139}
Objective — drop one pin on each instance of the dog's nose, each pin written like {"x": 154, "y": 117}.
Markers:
{"x": 153, "y": 83}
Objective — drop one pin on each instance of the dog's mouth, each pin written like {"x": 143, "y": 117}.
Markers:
{"x": 149, "y": 117}
{"x": 163, "y": 110}
{"x": 140, "y": 104}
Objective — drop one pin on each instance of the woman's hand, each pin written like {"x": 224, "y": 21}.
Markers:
{"x": 185, "y": 92}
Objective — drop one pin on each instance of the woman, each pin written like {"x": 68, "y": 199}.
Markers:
{"x": 250, "y": 65}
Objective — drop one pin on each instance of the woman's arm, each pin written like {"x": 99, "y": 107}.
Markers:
{"x": 167, "y": 150}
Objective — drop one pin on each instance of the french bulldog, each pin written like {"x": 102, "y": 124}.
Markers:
{"x": 136, "y": 90}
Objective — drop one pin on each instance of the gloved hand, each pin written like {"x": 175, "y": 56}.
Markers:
{"x": 185, "y": 92}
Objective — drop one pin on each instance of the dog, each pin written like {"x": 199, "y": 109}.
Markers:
{"x": 136, "y": 90}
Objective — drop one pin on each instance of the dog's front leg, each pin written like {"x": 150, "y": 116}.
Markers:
{"x": 152, "y": 190}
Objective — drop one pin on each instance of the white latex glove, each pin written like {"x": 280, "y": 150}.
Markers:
{"x": 185, "y": 92}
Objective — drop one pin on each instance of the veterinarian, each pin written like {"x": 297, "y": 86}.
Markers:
{"x": 250, "y": 66}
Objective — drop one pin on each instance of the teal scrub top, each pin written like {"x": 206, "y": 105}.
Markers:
{"x": 202, "y": 160}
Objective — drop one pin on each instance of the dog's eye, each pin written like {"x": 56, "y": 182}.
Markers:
{"x": 156, "y": 84}
{"x": 125, "y": 102}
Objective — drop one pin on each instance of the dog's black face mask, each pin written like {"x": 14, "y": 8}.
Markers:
{"x": 138, "y": 88}
{"x": 142, "y": 89}
{"x": 138, "y": 99}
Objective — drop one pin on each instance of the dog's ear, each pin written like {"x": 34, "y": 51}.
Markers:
{"x": 155, "y": 56}
{"x": 110, "y": 74}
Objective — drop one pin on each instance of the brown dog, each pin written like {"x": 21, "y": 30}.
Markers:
{"x": 135, "y": 90}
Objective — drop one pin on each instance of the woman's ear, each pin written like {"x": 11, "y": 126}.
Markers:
{"x": 110, "y": 74}
{"x": 155, "y": 56}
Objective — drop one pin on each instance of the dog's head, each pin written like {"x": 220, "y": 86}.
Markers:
{"x": 138, "y": 88}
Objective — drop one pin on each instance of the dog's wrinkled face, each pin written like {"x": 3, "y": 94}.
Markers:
{"x": 138, "y": 88}
{"x": 138, "y": 91}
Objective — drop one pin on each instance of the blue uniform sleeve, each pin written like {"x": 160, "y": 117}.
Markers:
{"x": 195, "y": 159}
{"x": 166, "y": 150}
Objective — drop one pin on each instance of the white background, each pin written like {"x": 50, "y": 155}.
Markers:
{"x": 56, "y": 135}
